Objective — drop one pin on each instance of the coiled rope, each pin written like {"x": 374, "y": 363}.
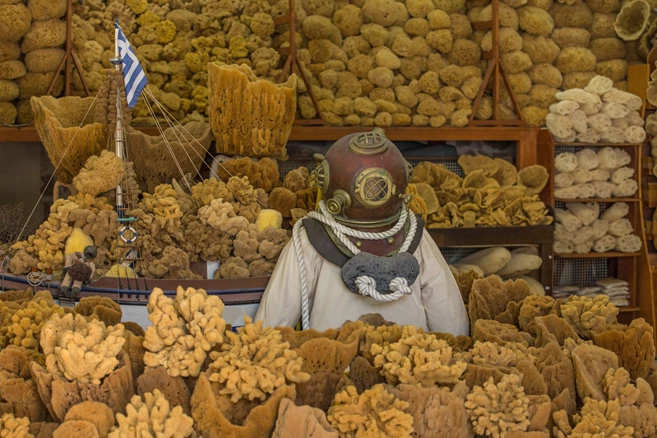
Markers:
{"x": 366, "y": 285}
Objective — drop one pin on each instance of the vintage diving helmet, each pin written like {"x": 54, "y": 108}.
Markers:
{"x": 363, "y": 180}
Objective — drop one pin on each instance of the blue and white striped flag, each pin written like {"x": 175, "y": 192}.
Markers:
{"x": 133, "y": 75}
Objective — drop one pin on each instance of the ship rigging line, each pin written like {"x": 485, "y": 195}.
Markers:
{"x": 176, "y": 125}
{"x": 175, "y": 132}
{"x": 55, "y": 171}
{"x": 166, "y": 142}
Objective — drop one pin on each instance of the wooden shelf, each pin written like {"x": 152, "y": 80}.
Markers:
{"x": 599, "y": 200}
{"x": 599, "y": 255}
{"x": 600, "y": 145}
{"x": 492, "y": 236}
{"x": 628, "y": 309}
{"x": 332, "y": 133}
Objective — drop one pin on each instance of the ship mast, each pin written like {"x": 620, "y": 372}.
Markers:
{"x": 118, "y": 130}
{"x": 126, "y": 232}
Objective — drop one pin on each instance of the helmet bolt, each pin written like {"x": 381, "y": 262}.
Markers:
{"x": 391, "y": 240}
{"x": 359, "y": 244}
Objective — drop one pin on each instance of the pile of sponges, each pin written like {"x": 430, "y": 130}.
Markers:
{"x": 592, "y": 173}
{"x": 581, "y": 229}
{"x": 597, "y": 113}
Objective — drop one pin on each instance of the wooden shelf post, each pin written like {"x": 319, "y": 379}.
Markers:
{"x": 293, "y": 61}
{"x": 493, "y": 76}
{"x": 69, "y": 58}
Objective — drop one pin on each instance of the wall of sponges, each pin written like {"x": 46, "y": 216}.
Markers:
{"x": 371, "y": 62}
{"x": 32, "y": 34}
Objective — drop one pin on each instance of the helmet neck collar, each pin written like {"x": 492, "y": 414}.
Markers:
{"x": 371, "y": 225}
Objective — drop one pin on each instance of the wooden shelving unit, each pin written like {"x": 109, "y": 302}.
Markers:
{"x": 638, "y": 76}
{"x": 599, "y": 255}
{"x": 599, "y": 145}
{"x": 599, "y": 200}
{"x": 625, "y": 266}
{"x": 540, "y": 236}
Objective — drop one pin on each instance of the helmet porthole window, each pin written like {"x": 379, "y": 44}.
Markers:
{"x": 374, "y": 187}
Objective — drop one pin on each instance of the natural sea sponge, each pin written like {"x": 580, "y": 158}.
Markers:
{"x": 383, "y": 12}
{"x": 535, "y": 21}
{"x": 632, "y": 20}
{"x": 417, "y": 27}
{"x": 606, "y": 49}
{"x": 419, "y": 8}
{"x": 461, "y": 27}
{"x": 571, "y": 37}
{"x": 9, "y": 51}
{"x": 267, "y": 125}
{"x": 578, "y": 15}
{"x": 542, "y": 95}
{"x": 12, "y": 70}
{"x": 534, "y": 178}
{"x": 520, "y": 83}
{"x": 8, "y": 90}
{"x": 57, "y": 122}
{"x": 540, "y": 49}
{"x": 616, "y": 69}
{"x": 635, "y": 347}
{"x": 36, "y": 84}
{"x": 44, "y": 60}
{"x": 282, "y": 200}
{"x": 8, "y": 113}
{"x": 516, "y": 62}
{"x": 317, "y": 27}
{"x": 441, "y": 40}
{"x": 348, "y": 19}
{"x": 439, "y": 19}
{"x": 15, "y": 22}
{"x": 464, "y": 52}
{"x": 509, "y": 40}
{"x": 44, "y": 34}
{"x": 507, "y": 15}
{"x": 577, "y": 79}
{"x": 575, "y": 59}
{"x": 546, "y": 74}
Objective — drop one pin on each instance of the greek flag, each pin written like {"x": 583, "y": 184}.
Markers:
{"x": 133, "y": 75}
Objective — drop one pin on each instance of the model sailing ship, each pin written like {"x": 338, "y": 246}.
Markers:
{"x": 75, "y": 279}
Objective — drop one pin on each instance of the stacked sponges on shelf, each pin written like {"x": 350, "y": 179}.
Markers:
{"x": 617, "y": 290}
{"x": 374, "y": 62}
{"x": 597, "y": 113}
{"x": 581, "y": 228}
{"x": 31, "y": 39}
{"x": 492, "y": 193}
{"x": 594, "y": 174}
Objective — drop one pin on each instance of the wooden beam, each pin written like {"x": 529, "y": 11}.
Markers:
{"x": 308, "y": 132}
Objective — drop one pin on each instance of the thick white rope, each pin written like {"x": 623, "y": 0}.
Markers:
{"x": 366, "y": 285}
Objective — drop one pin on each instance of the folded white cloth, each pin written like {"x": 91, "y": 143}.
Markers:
{"x": 611, "y": 282}
{"x": 620, "y": 303}
{"x": 616, "y": 289}
{"x": 589, "y": 291}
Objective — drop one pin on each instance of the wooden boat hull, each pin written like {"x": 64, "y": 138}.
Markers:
{"x": 136, "y": 291}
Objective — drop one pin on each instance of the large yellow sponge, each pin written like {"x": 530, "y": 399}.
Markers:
{"x": 269, "y": 219}
{"x": 77, "y": 241}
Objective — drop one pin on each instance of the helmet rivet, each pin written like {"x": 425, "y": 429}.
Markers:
{"x": 391, "y": 240}
{"x": 359, "y": 244}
